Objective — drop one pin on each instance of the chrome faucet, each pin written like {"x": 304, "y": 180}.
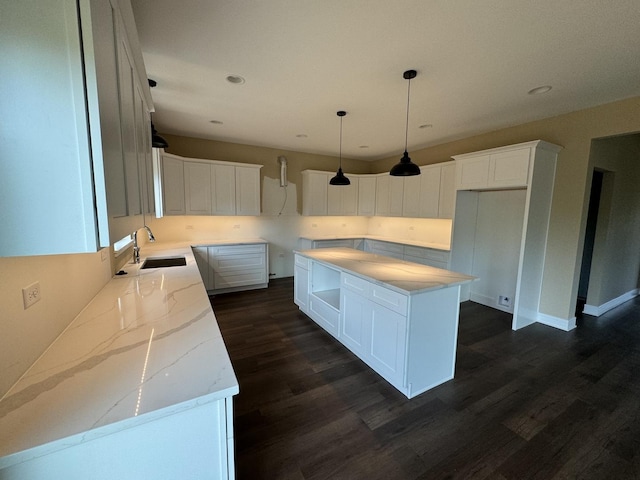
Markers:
{"x": 136, "y": 248}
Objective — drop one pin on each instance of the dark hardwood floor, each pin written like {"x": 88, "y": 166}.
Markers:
{"x": 534, "y": 404}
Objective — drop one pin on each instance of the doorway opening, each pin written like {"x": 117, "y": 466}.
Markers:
{"x": 589, "y": 240}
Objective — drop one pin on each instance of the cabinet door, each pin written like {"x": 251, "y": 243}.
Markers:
{"x": 223, "y": 189}
{"x": 383, "y": 190}
{"x": 355, "y": 313}
{"x": 128, "y": 94}
{"x": 314, "y": 193}
{"x": 429, "y": 192}
{"x": 201, "y": 254}
{"x": 197, "y": 188}
{"x": 367, "y": 196}
{"x": 301, "y": 287}
{"x": 411, "y": 201}
{"x": 396, "y": 195}
{"x": 472, "y": 172}
{"x": 387, "y": 344}
{"x": 247, "y": 191}
{"x": 173, "y": 186}
{"x": 447, "y": 190}
{"x": 509, "y": 169}
{"x": 343, "y": 199}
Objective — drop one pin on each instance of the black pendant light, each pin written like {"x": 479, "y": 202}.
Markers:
{"x": 406, "y": 167}
{"x": 340, "y": 179}
{"x": 156, "y": 140}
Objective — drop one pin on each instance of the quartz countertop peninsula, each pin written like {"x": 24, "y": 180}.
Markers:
{"x": 147, "y": 346}
{"x": 402, "y": 276}
{"x": 404, "y": 241}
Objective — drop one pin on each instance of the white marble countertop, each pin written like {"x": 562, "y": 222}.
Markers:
{"x": 415, "y": 243}
{"x": 404, "y": 277}
{"x": 230, "y": 241}
{"x": 148, "y": 345}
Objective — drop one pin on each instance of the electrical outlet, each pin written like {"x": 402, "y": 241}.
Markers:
{"x": 188, "y": 227}
{"x": 504, "y": 301}
{"x": 236, "y": 226}
{"x": 103, "y": 254}
{"x": 31, "y": 294}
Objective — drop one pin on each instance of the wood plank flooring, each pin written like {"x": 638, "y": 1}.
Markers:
{"x": 534, "y": 404}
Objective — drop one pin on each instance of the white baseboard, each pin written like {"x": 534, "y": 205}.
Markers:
{"x": 527, "y": 317}
{"x": 557, "y": 322}
{"x": 596, "y": 311}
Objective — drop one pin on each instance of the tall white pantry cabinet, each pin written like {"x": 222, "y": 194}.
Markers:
{"x": 75, "y": 143}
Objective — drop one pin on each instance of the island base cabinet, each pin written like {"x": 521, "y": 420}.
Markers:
{"x": 408, "y": 339}
{"x": 193, "y": 443}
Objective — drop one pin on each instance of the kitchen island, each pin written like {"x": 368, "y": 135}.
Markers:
{"x": 399, "y": 317}
{"x": 139, "y": 385}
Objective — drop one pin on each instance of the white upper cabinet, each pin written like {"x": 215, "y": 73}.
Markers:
{"x": 173, "y": 183}
{"x": 69, "y": 95}
{"x": 505, "y": 167}
{"x": 429, "y": 195}
{"x": 247, "y": 190}
{"x": 315, "y": 186}
{"x": 389, "y": 195}
{"x": 320, "y": 198}
{"x": 366, "y": 195}
{"x": 209, "y": 187}
{"x": 447, "y": 199}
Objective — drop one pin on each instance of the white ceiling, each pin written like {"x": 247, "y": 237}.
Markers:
{"x": 303, "y": 60}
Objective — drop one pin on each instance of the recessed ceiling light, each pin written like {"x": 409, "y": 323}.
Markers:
{"x": 302, "y": 135}
{"x": 216, "y": 122}
{"x": 236, "y": 79}
{"x": 426, "y": 125}
{"x": 539, "y": 90}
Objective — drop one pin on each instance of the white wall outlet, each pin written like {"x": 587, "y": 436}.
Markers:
{"x": 31, "y": 294}
{"x": 103, "y": 254}
{"x": 504, "y": 301}
{"x": 314, "y": 225}
{"x": 188, "y": 227}
{"x": 236, "y": 226}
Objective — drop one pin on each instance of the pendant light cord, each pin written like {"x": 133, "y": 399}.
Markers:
{"x": 406, "y": 130}
{"x": 341, "y": 142}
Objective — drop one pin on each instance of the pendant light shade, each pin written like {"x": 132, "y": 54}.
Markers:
{"x": 340, "y": 179}
{"x": 156, "y": 140}
{"x": 406, "y": 167}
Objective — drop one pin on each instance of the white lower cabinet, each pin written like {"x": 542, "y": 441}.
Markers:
{"x": 301, "y": 283}
{"x": 231, "y": 268}
{"x": 408, "y": 339}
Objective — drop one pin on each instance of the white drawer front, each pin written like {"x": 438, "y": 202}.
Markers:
{"x": 388, "y": 298}
{"x": 324, "y": 314}
{"x": 234, "y": 263}
{"x": 356, "y": 284}
{"x": 239, "y": 279}
{"x": 302, "y": 262}
{"x": 239, "y": 249}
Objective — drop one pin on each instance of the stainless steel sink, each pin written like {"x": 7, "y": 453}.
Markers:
{"x": 162, "y": 262}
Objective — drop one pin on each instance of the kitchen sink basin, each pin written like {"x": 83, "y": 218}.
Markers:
{"x": 162, "y": 262}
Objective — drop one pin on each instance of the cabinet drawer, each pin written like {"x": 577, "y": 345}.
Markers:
{"x": 302, "y": 262}
{"x": 427, "y": 253}
{"x": 238, "y": 279}
{"x": 239, "y": 249}
{"x": 356, "y": 284}
{"x": 324, "y": 314}
{"x": 235, "y": 263}
{"x": 343, "y": 242}
{"x": 388, "y": 249}
{"x": 388, "y": 298}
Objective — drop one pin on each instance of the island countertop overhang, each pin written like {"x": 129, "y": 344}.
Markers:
{"x": 399, "y": 275}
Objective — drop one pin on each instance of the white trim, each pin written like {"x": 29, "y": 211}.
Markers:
{"x": 596, "y": 311}
{"x": 557, "y": 322}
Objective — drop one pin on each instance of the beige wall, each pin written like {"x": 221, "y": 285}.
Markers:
{"x": 67, "y": 284}
{"x": 574, "y": 132}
